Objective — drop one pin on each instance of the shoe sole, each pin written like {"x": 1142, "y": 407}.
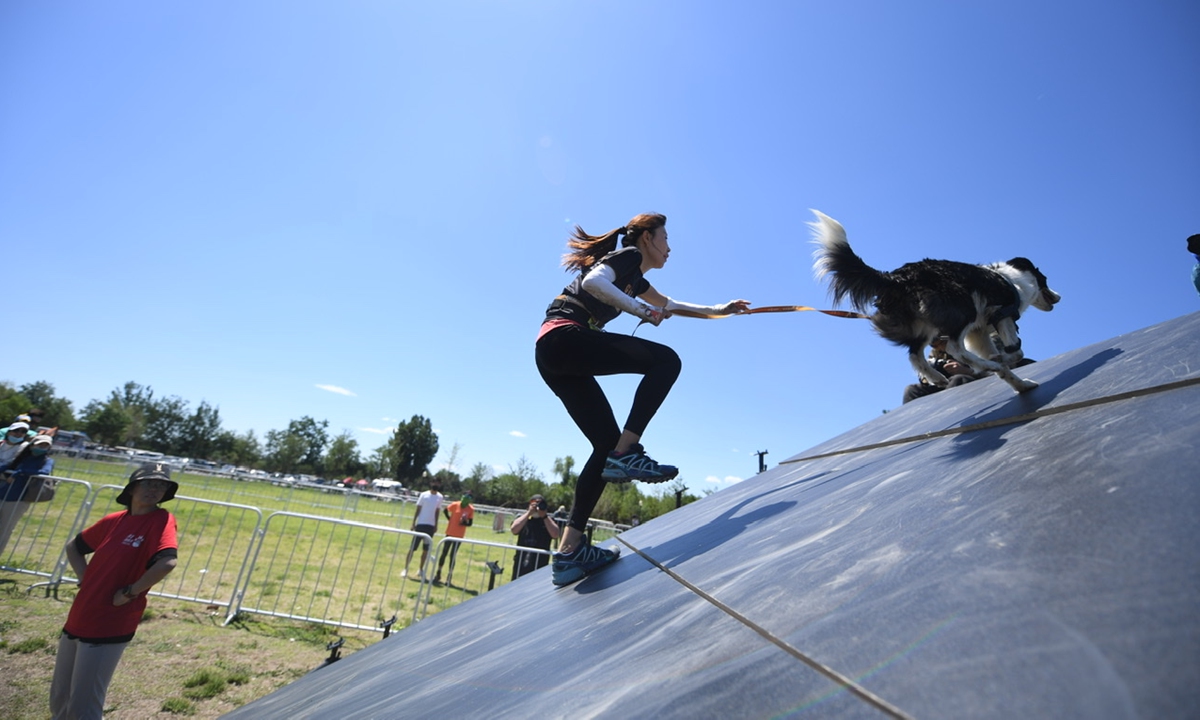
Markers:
{"x": 618, "y": 479}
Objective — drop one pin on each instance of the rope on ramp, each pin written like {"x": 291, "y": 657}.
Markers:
{"x": 847, "y": 683}
{"x": 1013, "y": 420}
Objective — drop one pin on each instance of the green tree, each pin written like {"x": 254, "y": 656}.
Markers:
{"x": 452, "y": 461}
{"x": 234, "y": 449}
{"x": 284, "y": 451}
{"x": 342, "y": 458}
{"x": 515, "y": 487}
{"x": 476, "y": 483}
{"x": 412, "y": 447}
{"x": 564, "y": 470}
{"x": 197, "y": 436}
{"x": 106, "y": 422}
{"x": 135, "y": 400}
{"x": 12, "y": 404}
{"x": 165, "y": 419}
{"x": 314, "y": 437}
{"x": 56, "y": 412}
{"x": 379, "y": 464}
{"x": 452, "y": 484}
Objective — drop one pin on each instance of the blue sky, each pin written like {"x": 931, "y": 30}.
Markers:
{"x": 355, "y": 210}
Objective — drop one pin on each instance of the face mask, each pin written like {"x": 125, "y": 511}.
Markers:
{"x": 13, "y": 440}
{"x": 38, "y": 452}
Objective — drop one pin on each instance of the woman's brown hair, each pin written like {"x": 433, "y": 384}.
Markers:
{"x": 586, "y": 250}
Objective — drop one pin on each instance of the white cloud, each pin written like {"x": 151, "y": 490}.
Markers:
{"x": 516, "y": 433}
{"x": 378, "y": 431}
{"x": 336, "y": 389}
{"x": 728, "y": 480}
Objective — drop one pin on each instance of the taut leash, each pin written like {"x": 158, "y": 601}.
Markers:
{"x": 764, "y": 309}
{"x": 772, "y": 309}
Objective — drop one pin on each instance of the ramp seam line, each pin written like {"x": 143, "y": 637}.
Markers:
{"x": 999, "y": 422}
{"x": 845, "y": 682}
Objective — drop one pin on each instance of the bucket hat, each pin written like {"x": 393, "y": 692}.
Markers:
{"x": 149, "y": 471}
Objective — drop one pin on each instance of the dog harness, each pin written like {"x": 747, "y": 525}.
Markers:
{"x": 1011, "y": 310}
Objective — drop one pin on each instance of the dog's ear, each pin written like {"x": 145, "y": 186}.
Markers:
{"x": 1022, "y": 264}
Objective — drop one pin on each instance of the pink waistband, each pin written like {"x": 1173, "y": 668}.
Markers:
{"x": 554, "y": 325}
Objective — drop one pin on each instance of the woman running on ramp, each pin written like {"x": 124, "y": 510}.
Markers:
{"x": 572, "y": 349}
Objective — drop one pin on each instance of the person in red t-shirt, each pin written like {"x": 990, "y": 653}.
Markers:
{"x": 459, "y": 516}
{"x": 133, "y": 550}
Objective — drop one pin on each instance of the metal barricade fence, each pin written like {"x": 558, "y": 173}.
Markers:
{"x": 209, "y": 565}
{"x": 479, "y": 566}
{"x": 328, "y": 571}
{"x": 36, "y": 545}
{"x": 296, "y": 566}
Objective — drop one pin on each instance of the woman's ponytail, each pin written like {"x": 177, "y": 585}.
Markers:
{"x": 586, "y": 250}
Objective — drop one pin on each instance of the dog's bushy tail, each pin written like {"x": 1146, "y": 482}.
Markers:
{"x": 852, "y": 278}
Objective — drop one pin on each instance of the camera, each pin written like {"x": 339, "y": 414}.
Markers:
{"x": 541, "y": 505}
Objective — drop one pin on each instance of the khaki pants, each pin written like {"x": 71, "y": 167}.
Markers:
{"x": 82, "y": 672}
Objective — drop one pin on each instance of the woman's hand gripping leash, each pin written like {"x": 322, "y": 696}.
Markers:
{"x": 655, "y": 316}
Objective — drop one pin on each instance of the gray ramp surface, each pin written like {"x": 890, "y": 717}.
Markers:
{"x": 973, "y": 554}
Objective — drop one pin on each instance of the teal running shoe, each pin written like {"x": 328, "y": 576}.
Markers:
{"x": 636, "y": 465}
{"x": 586, "y": 559}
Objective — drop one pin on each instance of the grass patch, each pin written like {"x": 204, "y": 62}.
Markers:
{"x": 178, "y": 706}
{"x": 308, "y": 633}
{"x": 29, "y": 645}
{"x": 208, "y": 683}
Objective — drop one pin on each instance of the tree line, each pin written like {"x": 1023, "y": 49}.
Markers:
{"x": 134, "y": 416}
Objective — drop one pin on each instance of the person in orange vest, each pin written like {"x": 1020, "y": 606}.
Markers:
{"x": 459, "y": 516}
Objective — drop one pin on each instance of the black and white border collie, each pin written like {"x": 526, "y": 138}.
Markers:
{"x": 920, "y": 301}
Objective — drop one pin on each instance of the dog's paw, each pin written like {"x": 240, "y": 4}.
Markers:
{"x": 1023, "y": 386}
{"x": 1010, "y": 359}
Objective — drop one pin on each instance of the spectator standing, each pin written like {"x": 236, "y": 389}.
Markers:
{"x": 534, "y": 529}
{"x": 34, "y": 418}
{"x": 460, "y": 515}
{"x": 425, "y": 521}
{"x": 14, "y": 435}
{"x": 132, "y": 550}
{"x": 32, "y": 459}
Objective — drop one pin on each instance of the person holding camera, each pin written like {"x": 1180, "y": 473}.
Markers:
{"x": 534, "y": 529}
{"x": 459, "y": 516}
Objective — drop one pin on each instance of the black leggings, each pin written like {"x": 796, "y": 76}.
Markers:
{"x": 569, "y": 359}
